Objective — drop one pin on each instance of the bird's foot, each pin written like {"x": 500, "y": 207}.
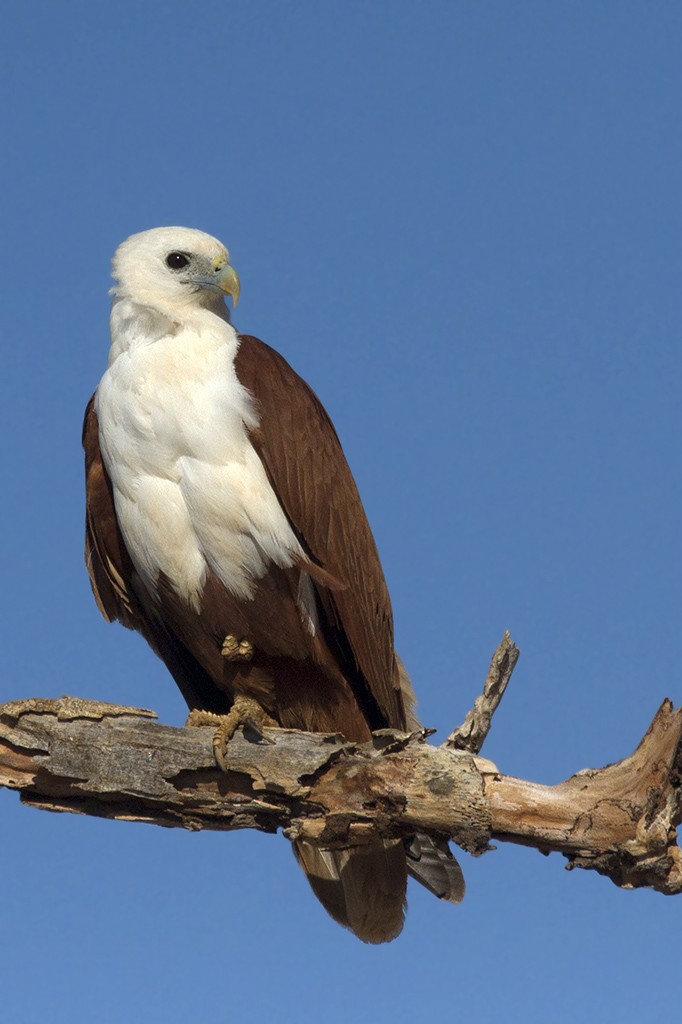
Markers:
{"x": 246, "y": 712}
{"x": 236, "y": 650}
{"x": 199, "y": 717}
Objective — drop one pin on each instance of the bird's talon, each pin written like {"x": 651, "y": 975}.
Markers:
{"x": 199, "y": 717}
{"x": 250, "y": 723}
{"x": 236, "y": 650}
{"x": 251, "y": 716}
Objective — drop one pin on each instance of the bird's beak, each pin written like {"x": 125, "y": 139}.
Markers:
{"x": 227, "y": 280}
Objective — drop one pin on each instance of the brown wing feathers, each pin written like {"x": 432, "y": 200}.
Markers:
{"x": 318, "y": 494}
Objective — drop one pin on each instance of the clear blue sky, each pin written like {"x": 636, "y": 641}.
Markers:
{"x": 461, "y": 223}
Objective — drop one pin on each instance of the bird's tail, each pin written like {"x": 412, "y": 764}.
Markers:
{"x": 433, "y": 865}
{"x": 361, "y": 887}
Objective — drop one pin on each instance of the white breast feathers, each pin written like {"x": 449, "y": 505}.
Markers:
{"x": 189, "y": 489}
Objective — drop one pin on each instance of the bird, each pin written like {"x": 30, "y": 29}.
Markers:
{"x": 224, "y": 525}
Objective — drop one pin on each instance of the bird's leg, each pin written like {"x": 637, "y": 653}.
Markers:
{"x": 236, "y": 650}
{"x": 246, "y": 712}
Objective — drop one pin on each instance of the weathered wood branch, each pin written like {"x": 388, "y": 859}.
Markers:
{"x": 93, "y": 758}
{"x": 471, "y": 734}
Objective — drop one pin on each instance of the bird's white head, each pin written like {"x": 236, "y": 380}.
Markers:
{"x": 174, "y": 270}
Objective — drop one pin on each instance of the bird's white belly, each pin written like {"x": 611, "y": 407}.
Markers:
{"x": 190, "y": 490}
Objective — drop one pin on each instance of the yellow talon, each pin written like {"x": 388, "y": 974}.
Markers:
{"x": 246, "y": 712}
{"x": 236, "y": 650}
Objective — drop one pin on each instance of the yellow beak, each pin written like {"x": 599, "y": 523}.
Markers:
{"x": 227, "y": 280}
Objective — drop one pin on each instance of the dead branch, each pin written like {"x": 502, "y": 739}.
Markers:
{"x": 117, "y": 762}
{"x": 471, "y": 734}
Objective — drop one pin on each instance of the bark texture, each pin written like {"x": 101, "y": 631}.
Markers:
{"x": 118, "y": 762}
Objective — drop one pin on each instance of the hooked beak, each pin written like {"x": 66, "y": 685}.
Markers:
{"x": 227, "y": 280}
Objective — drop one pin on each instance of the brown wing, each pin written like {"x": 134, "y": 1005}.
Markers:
{"x": 302, "y": 455}
{"x": 106, "y": 558}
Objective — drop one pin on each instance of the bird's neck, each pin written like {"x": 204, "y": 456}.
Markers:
{"x": 135, "y": 324}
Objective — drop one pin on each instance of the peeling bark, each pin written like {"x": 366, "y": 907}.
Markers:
{"x": 117, "y": 762}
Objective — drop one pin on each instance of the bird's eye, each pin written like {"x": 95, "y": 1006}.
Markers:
{"x": 177, "y": 260}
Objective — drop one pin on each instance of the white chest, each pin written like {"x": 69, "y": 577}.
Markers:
{"x": 189, "y": 489}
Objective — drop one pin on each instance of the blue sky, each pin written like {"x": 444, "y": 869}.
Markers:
{"x": 461, "y": 223}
